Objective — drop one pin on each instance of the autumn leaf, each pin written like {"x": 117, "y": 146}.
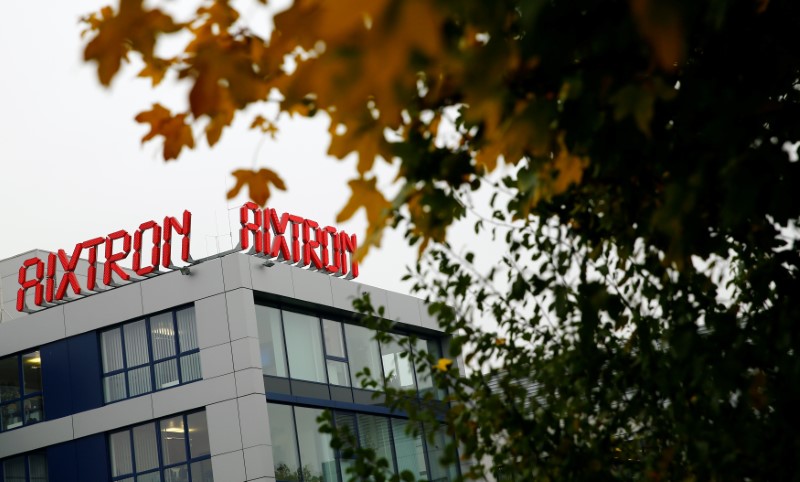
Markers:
{"x": 365, "y": 138}
{"x": 366, "y": 195}
{"x": 265, "y": 126}
{"x": 258, "y": 183}
{"x": 155, "y": 68}
{"x": 132, "y": 28}
{"x": 176, "y": 132}
{"x": 659, "y": 24}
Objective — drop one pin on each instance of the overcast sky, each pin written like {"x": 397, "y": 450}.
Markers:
{"x": 72, "y": 166}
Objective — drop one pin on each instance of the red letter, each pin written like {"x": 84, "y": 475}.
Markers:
{"x": 111, "y": 259}
{"x": 330, "y": 231}
{"x": 349, "y": 244}
{"x": 182, "y": 229}
{"x": 91, "y": 272}
{"x": 297, "y": 221}
{"x": 25, "y": 283}
{"x": 69, "y": 278}
{"x": 247, "y": 227}
{"x": 155, "y": 252}
{"x": 50, "y": 289}
{"x": 280, "y": 249}
{"x": 309, "y": 246}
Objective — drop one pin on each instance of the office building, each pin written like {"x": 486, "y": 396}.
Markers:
{"x": 214, "y": 372}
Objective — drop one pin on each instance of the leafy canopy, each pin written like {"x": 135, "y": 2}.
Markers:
{"x": 646, "y": 301}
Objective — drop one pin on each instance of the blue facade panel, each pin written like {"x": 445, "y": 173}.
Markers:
{"x": 56, "y": 384}
{"x": 92, "y": 458}
{"x": 86, "y": 373}
{"x": 61, "y": 463}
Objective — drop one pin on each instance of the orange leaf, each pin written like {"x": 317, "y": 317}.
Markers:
{"x": 132, "y": 28}
{"x": 366, "y": 195}
{"x": 176, "y": 132}
{"x": 257, "y": 182}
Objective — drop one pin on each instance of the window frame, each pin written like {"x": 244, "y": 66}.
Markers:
{"x": 151, "y": 362}
{"x": 161, "y": 467}
{"x": 20, "y": 369}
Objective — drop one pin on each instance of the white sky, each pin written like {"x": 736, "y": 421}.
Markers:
{"x": 72, "y": 166}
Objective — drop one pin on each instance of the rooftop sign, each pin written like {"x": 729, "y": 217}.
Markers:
{"x": 280, "y": 237}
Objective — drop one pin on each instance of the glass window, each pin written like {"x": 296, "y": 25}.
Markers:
{"x": 284, "y": 442}
{"x": 173, "y": 440}
{"x": 409, "y": 448}
{"x": 423, "y": 369}
{"x": 21, "y": 401}
{"x": 334, "y": 342}
{"x": 145, "y": 447}
{"x": 25, "y": 468}
{"x": 198, "y": 434}
{"x": 304, "y": 347}
{"x": 162, "y": 334}
{"x": 397, "y": 367}
{"x": 436, "y": 451}
{"x": 362, "y": 350}
{"x": 157, "y": 451}
{"x": 316, "y": 454}
{"x": 338, "y": 373}
{"x": 128, "y": 353}
{"x": 374, "y": 433}
{"x": 270, "y": 336}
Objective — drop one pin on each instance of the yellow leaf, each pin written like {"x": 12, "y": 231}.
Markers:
{"x": 500, "y": 341}
{"x": 443, "y": 364}
{"x": 176, "y": 132}
{"x": 258, "y": 183}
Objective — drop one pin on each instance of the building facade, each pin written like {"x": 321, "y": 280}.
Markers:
{"x": 217, "y": 372}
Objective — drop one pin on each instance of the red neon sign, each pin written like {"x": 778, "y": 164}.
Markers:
{"x": 297, "y": 241}
{"x": 116, "y": 247}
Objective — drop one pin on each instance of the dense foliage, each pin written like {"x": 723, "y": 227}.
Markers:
{"x": 646, "y": 301}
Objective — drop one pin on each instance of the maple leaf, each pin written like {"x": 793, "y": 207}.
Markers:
{"x": 155, "y": 68}
{"x": 176, "y": 132}
{"x": 132, "y": 28}
{"x": 258, "y": 183}
{"x": 365, "y": 138}
{"x": 366, "y": 195}
{"x": 265, "y": 126}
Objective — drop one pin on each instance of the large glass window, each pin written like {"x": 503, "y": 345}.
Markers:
{"x": 302, "y": 454}
{"x": 397, "y": 367}
{"x": 154, "y": 353}
{"x": 270, "y": 336}
{"x": 310, "y": 348}
{"x": 173, "y": 449}
{"x": 25, "y": 468}
{"x": 363, "y": 351}
{"x": 21, "y": 401}
{"x": 304, "y": 347}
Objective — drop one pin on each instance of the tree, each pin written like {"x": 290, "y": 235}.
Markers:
{"x": 644, "y": 194}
